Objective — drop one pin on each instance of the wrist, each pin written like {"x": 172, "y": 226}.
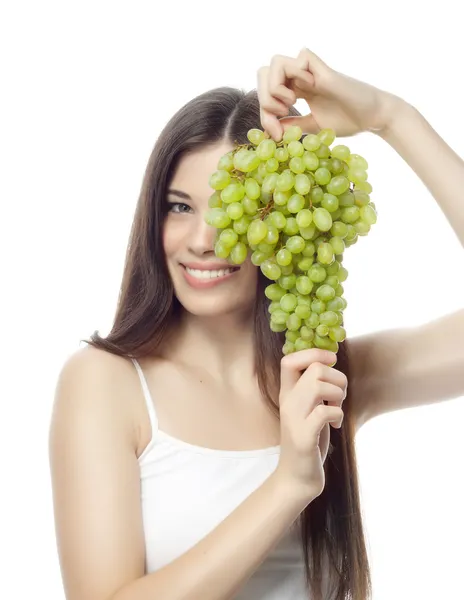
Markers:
{"x": 290, "y": 491}
{"x": 395, "y": 113}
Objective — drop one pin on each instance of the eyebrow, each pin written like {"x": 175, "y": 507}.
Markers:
{"x": 180, "y": 194}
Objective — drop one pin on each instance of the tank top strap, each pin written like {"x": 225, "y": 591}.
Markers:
{"x": 148, "y": 398}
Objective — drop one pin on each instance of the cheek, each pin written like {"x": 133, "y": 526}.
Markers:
{"x": 172, "y": 237}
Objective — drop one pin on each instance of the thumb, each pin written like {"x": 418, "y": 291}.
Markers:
{"x": 307, "y": 123}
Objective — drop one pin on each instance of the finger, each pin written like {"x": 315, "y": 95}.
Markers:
{"x": 319, "y": 372}
{"x": 270, "y": 107}
{"x": 322, "y": 415}
{"x": 282, "y": 70}
{"x": 320, "y": 393}
{"x": 293, "y": 364}
{"x": 307, "y": 123}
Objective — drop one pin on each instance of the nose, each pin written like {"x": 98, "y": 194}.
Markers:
{"x": 202, "y": 237}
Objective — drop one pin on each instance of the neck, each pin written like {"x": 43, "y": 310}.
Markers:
{"x": 222, "y": 345}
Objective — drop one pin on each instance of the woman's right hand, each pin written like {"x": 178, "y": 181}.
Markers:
{"x": 307, "y": 379}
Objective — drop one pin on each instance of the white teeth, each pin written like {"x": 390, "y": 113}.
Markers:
{"x": 200, "y": 274}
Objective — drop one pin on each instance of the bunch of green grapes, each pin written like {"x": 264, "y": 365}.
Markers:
{"x": 295, "y": 206}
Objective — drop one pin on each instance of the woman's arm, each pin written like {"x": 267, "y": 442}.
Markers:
{"x": 96, "y": 489}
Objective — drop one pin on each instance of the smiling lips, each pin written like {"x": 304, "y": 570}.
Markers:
{"x": 201, "y": 276}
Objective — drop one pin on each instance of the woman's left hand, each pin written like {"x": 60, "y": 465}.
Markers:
{"x": 336, "y": 101}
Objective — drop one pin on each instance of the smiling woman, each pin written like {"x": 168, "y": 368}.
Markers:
{"x": 211, "y": 429}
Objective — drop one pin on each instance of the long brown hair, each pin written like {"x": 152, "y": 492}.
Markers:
{"x": 331, "y": 526}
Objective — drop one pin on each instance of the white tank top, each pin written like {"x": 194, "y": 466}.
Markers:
{"x": 187, "y": 490}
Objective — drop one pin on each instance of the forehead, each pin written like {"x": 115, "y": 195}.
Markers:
{"x": 195, "y": 168}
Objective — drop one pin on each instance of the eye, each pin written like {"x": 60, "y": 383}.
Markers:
{"x": 178, "y": 207}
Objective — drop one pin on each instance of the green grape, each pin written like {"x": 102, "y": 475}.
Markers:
{"x": 304, "y": 285}
{"x": 241, "y": 225}
{"x": 327, "y": 136}
{"x": 317, "y": 273}
{"x": 257, "y": 231}
{"x": 342, "y": 274}
{"x": 341, "y": 152}
{"x": 304, "y": 218}
{"x": 333, "y": 269}
{"x": 288, "y": 302}
{"x": 311, "y": 142}
{"x": 368, "y": 215}
{"x": 287, "y": 282}
{"x": 226, "y": 162}
{"x": 316, "y": 195}
{"x": 281, "y": 198}
{"x": 312, "y": 321}
{"x": 219, "y": 179}
{"x": 307, "y": 233}
{"x": 325, "y": 293}
{"x": 277, "y": 219}
{"x": 329, "y": 318}
{"x": 221, "y": 250}
{"x": 358, "y": 162}
{"x": 310, "y": 161}
{"x": 309, "y": 250}
{"x": 273, "y": 306}
{"x": 337, "y": 166}
{"x": 362, "y": 228}
{"x": 228, "y": 237}
{"x": 325, "y": 343}
{"x": 318, "y": 306}
{"x": 291, "y": 226}
{"x": 339, "y": 229}
{"x": 272, "y": 164}
{"x": 295, "y": 203}
{"x": 281, "y": 154}
{"x": 364, "y": 186}
{"x": 293, "y": 322}
{"x": 274, "y": 292}
{"x": 322, "y": 219}
{"x": 272, "y": 236}
{"x": 246, "y": 161}
{"x": 350, "y": 214}
{"x": 329, "y": 202}
{"x": 302, "y": 344}
{"x": 346, "y": 199}
{"x": 295, "y": 148}
{"x": 338, "y": 185}
{"x": 338, "y": 245}
{"x": 250, "y": 207}
{"x": 277, "y": 328}
{"x": 291, "y": 336}
{"x": 279, "y": 316}
{"x": 322, "y": 176}
{"x": 357, "y": 175}
{"x": 292, "y": 134}
{"x": 305, "y": 263}
{"x": 302, "y": 184}
{"x": 303, "y": 311}
{"x": 218, "y": 218}
{"x": 269, "y": 183}
{"x": 325, "y": 253}
{"x": 283, "y": 257}
{"x": 323, "y": 151}
{"x": 296, "y": 165}
{"x": 295, "y": 244}
{"x": 235, "y": 210}
{"x": 285, "y": 181}
{"x": 270, "y": 269}
{"x": 238, "y": 253}
{"x": 288, "y": 348}
{"x": 252, "y": 189}
{"x": 337, "y": 333}
{"x": 255, "y": 136}
{"x": 266, "y": 149}
{"x": 322, "y": 330}
{"x": 335, "y": 305}
{"x": 306, "y": 333}
{"x": 234, "y": 192}
{"x": 361, "y": 198}
{"x": 257, "y": 258}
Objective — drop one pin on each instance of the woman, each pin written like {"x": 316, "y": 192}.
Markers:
{"x": 189, "y": 460}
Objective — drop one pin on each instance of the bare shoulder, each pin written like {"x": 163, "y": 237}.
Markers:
{"x": 95, "y": 475}
{"x": 99, "y": 381}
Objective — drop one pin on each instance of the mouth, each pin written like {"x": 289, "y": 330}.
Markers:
{"x": 206, "y": 278}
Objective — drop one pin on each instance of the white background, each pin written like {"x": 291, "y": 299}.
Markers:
{"x": 87, "y": 88}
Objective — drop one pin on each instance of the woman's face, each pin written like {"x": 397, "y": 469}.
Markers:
{"x": 204, "y": 285}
